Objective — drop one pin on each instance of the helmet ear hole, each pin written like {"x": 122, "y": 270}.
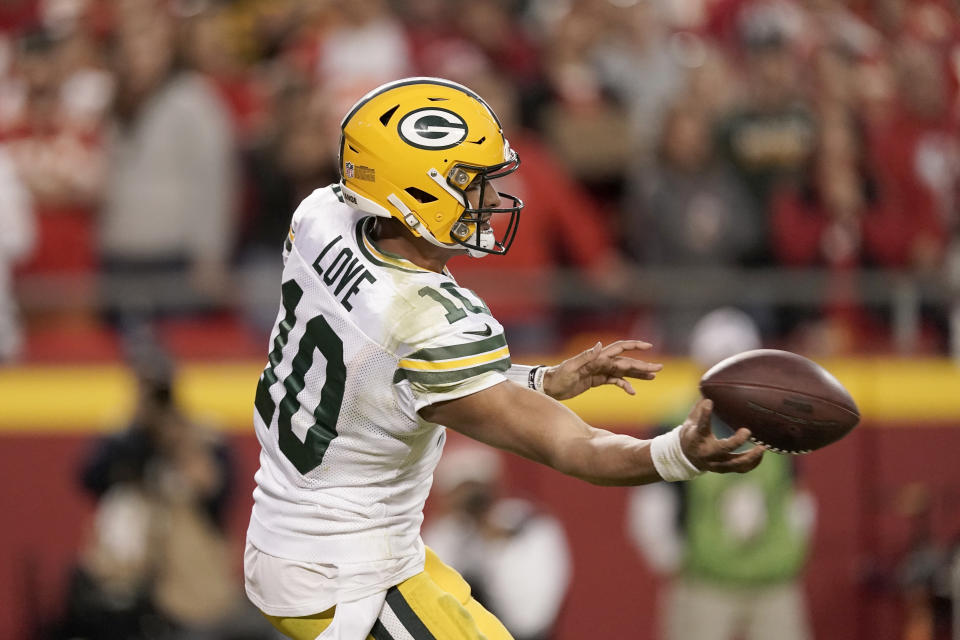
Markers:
{"x": 420, "y": 195}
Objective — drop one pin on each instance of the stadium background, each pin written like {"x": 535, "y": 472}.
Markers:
{"x": 827, "y": 129}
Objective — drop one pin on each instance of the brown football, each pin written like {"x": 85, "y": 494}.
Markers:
{"x": 790, "y": 403}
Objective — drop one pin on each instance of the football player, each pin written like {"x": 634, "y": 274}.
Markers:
{"x": 377, "y": 351}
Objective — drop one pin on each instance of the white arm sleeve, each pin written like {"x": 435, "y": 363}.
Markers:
{"x": 520, "y": 374}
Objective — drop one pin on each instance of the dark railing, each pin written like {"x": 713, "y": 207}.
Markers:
{"x": 902, "y": 294}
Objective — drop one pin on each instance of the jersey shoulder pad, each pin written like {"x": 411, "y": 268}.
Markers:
{"x": 448, "y": 339}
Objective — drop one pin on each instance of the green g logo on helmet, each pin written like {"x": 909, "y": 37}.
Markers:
{"x": 432, "y": 128}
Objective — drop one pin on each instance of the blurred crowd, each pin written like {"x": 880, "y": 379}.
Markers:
{"x": 154, "y": 150}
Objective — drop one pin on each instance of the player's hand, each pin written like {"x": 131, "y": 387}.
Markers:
{"x": 599, "y": 365}
{"x": 707, "y": 453}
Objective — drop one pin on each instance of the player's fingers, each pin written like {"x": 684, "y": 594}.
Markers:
{"x": 740, "y": 463}
{"x": 701, "y": 416}
{"x": 632, "y": 366}
{"x": 735, "y": 441}
{"x": 583, "y": 358}
{"x": 618, "y": 347}
{"x": 623, "y": 367}
{"x": 623, "y": 384}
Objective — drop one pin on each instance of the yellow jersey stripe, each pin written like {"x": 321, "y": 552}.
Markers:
{"x": 455, "y": 363}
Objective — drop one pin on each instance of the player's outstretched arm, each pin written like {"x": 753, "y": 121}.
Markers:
{"x": 599, "y": 365}
{"x": 510, "y": 417}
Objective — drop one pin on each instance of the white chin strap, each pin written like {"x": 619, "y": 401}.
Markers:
{"x": 487, "y": 239}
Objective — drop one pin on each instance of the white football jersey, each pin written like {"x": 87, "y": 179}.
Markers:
{"x": 363, "y": 340}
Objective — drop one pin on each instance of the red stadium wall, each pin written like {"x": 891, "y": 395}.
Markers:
{"x": 612, "y": 595}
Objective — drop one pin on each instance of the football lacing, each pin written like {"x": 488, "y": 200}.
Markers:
{"x": 779, "y": 450}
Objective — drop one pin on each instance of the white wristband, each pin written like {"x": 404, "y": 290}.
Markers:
{"x": 669, "y": 459}
{"x": 527, "y": 376}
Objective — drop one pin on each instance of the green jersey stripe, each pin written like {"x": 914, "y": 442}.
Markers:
{"x": 440, "y": 378}
{"x": 372, "y": 258}
{"x": 479, "y": 347}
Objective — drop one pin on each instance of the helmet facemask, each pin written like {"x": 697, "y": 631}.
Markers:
{"x": 480, "y": 229}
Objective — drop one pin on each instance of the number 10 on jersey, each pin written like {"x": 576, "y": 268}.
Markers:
{"x": 305, "y": 455}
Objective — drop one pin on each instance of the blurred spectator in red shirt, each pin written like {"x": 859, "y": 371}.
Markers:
{"x": 54, "y": 103}
{"x": 841, "y": 217}
{"x": 16, "y": 15}
{"x": 916, "y": 153}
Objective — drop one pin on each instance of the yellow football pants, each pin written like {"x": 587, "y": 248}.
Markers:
{"x": 435, "y": 604}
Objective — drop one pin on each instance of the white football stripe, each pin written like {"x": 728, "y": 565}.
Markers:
{"x": 392, "y": 623}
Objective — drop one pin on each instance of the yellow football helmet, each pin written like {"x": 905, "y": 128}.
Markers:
{"x": 410, "y": 149}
